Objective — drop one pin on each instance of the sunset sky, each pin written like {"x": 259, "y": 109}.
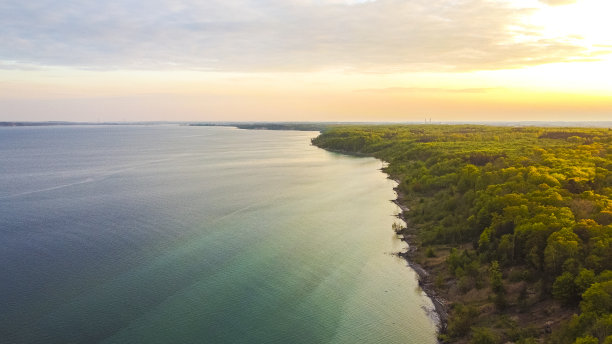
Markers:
{"x": 305, "y": 60}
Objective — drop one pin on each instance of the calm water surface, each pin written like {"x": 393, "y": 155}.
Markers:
{"x": 169, "y": 234}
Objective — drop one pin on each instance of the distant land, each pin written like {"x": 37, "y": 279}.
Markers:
{"x": 318, "y": 126}
{"x": 315, "y": 126}
{"x": 56, "y": 123}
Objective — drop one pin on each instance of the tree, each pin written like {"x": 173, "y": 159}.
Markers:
{"x": 561, "y": 245}
{"x": 584, "y": 280}
{"x": 598, "y": 298}
{"x": 586, "y": 340}
{"x": 483, "y": 336}
{"x": 564, "y": 289}
{"x": 602, "y": 327}
{"x": 527, "y": 198}
{"x": 461, "y": 321}
{"x": 495, "y": 277}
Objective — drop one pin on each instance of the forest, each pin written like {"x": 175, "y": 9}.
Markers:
{"x": 514, "y": 224}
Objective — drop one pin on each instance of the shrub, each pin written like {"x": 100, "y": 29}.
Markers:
{"x": 483, "y": 336}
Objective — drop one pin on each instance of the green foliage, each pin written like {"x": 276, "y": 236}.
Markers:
{"x": 595, "y": 321}
{"x": 430, "y": 253}
{"x": 564, "y": 288}
{"x": 584, "y": 280}
{"x": 602, "y": 328}
{"x": 483, "y": 336}
{"x": 587, "y": 340}
{"x": 495, "y": 277}
{"x": 562, "y": 245}
{"x": 597, "y": 299}
{"x": 461, "y": 321}
{"x": 535, "y": 199}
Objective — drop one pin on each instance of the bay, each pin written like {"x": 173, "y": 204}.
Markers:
{"x": 177, "y": 234}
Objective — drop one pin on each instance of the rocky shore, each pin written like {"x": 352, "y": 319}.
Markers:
{"x": 426, "y": 283}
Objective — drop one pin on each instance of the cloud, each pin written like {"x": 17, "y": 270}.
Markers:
{"x": 271, "y": 35}
{"x": 558, "y": 2}
{"x": 395, "y": 90}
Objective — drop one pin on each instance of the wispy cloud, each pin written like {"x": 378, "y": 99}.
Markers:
{"x": 404, "y": 90}
{"x": 271, "y": 35}
{"x": 558, "y": 2}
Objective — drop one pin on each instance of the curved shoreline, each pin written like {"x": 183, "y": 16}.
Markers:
{"x": 424, "y": 277}
{"x": 407, "y": 235}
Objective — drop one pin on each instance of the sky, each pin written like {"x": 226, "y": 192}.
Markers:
{"x": 305, "y": 60}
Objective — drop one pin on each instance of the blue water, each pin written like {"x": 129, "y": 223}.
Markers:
{"x": 174, "y": 234}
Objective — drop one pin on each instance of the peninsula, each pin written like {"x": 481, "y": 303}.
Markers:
{"x": 512, "y": 225}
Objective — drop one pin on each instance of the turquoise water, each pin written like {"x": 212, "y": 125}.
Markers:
{"x": 173, "y": 234}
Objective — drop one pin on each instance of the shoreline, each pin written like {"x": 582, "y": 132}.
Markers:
{"x": 482, "y": 232}
{"x": 424, "y": 277}
{"x": 407, "y": 235}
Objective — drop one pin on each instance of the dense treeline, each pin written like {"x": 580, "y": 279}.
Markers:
{"x": 530, "y": 211}
{"x": 300, "y": 126}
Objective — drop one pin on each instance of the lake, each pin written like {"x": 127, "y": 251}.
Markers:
{"x": 178, "y": 234}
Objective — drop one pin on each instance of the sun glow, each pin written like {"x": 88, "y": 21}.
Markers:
{"x": 587, "y": 22}
{"x": 536, "y": 60}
